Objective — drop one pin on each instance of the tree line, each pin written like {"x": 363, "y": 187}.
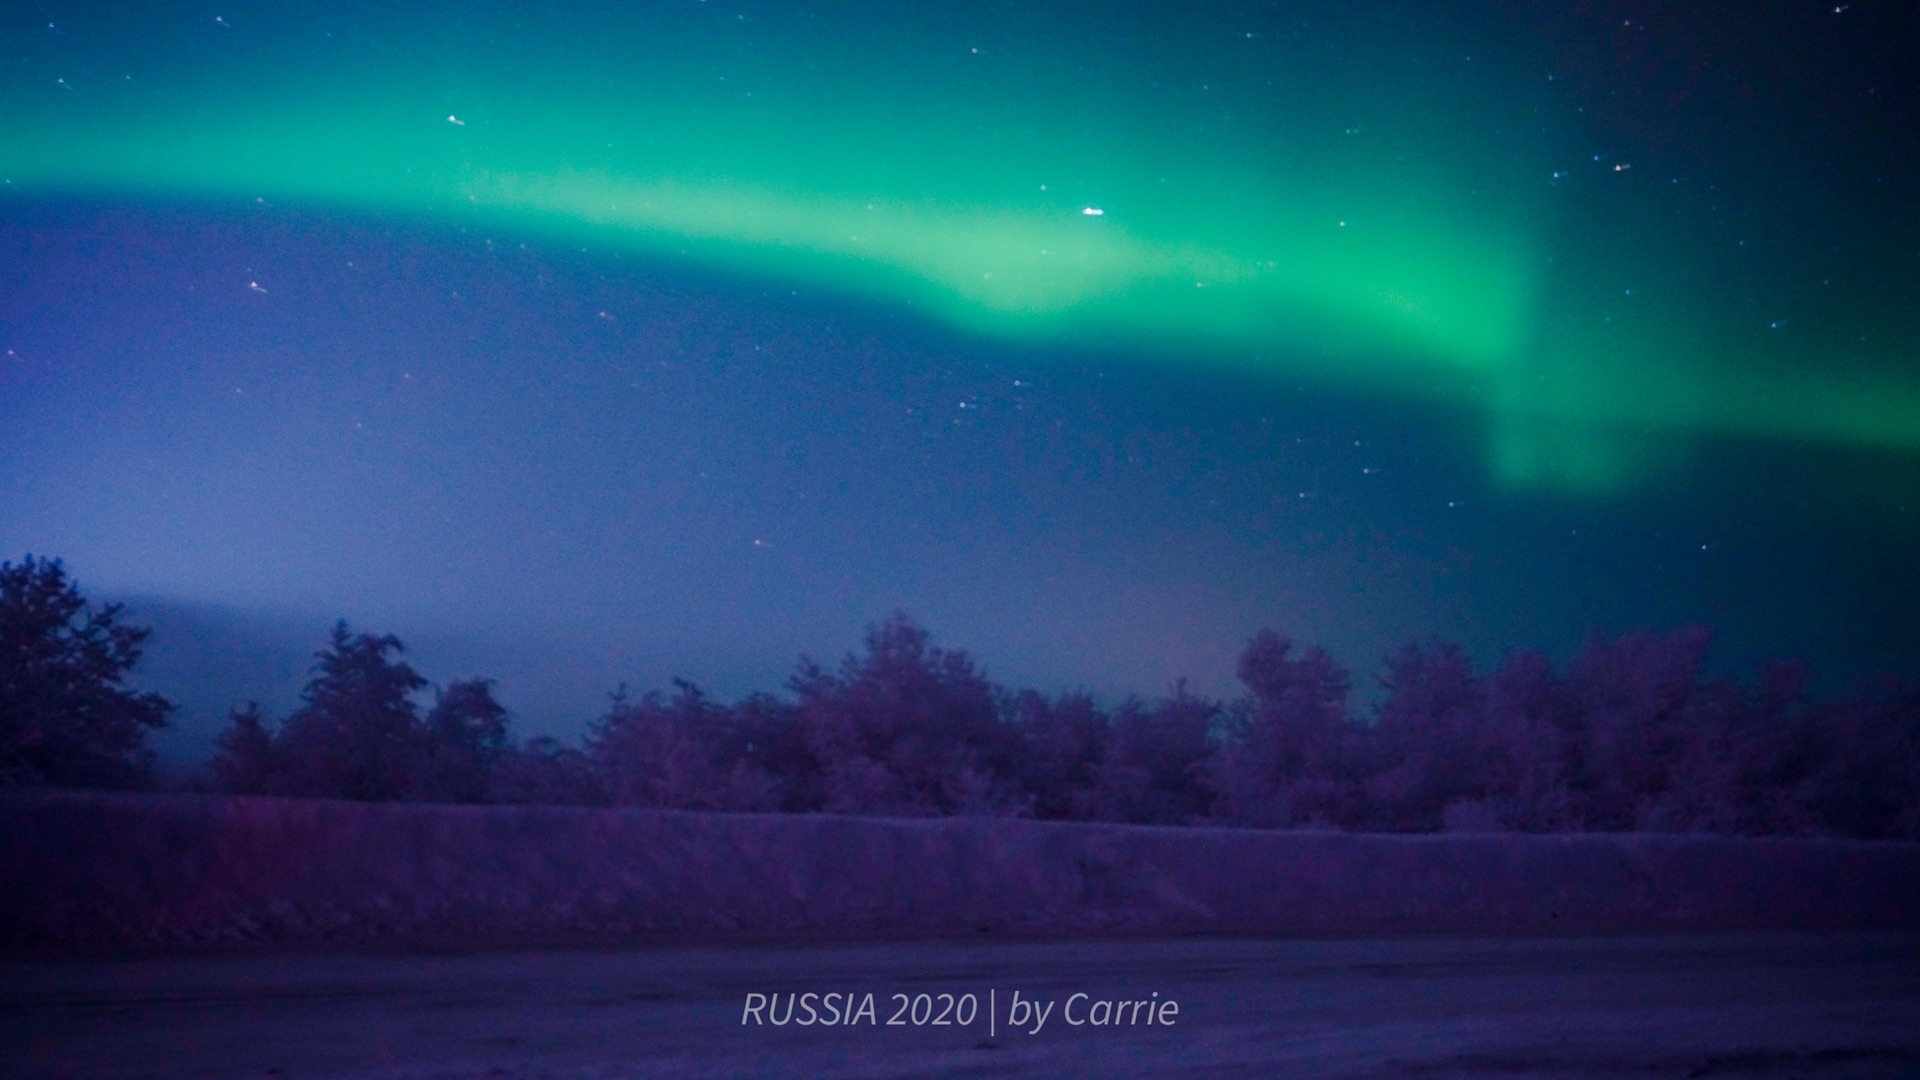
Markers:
{"x": 1633, "y": 734}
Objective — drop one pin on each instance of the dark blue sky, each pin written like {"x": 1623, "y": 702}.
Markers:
{"x": 567, "y": 464}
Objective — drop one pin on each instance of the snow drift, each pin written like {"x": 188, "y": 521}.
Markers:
{"x": 139, "y": 873}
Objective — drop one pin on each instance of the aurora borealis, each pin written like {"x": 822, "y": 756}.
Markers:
{"x": 1578, "y": 257}
{"x": 1299, "y": 191}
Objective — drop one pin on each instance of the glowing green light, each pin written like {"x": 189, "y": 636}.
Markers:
{"x": 1347, "y": 218}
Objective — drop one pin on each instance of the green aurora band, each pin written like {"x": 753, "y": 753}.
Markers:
{"x": 1198, "y": 192}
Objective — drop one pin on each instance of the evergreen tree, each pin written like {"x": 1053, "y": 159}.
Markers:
{"x": 245, "y": 759}
{"x": 358, "y": 734}
{"x": 466, "y": 732}
{"x": 67, "y": 715}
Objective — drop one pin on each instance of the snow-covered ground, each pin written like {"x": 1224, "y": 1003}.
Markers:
{"x": 1744, "y": 1007}
{"x": 132, "y": 875}
{"x": 175, "y": 936}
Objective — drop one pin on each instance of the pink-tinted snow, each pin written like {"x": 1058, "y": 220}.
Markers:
{"x": 134, "y": 873}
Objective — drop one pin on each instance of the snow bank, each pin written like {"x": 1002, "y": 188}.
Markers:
{"x": 134, "y": 873}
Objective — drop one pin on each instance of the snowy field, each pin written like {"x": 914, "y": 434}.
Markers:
{"x": 1737, "y": 1006}
{"x": 174, "y": 936}
{"x": 120, "y": 876}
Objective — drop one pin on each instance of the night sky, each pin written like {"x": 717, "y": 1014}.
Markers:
{"x": 629, "y": 341}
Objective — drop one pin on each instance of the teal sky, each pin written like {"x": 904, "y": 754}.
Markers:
{"x": 1407, "y": 199}
{"x": 676, "y": 339}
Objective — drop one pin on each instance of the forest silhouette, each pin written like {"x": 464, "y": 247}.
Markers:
{"x": 1633, "y": 734}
